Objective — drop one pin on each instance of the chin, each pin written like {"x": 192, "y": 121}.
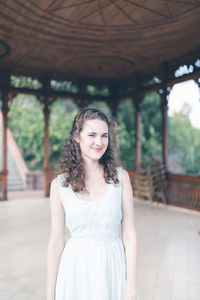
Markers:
{"x": 94, "y": 156}
{"x": 97, "y": 157}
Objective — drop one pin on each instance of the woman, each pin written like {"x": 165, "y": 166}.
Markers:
{"x": 93, "y": 195}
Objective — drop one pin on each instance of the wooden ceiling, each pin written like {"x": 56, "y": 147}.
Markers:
{"x": 110, "y": 39}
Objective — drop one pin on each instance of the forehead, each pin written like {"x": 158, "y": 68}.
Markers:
{"x": 95, "y": 125}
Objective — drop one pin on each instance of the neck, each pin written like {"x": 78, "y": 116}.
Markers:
{"x": 92, "y": 168}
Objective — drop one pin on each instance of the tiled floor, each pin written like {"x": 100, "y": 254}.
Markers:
{"x": 168, "y": 250}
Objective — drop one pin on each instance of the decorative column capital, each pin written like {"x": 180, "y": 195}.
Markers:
{"x": 138, "y": 104}
{"x": 164, "y": 92}
{"x": 137, "y": 101}
{"x": 82, "y": 103}
{"x": 46, "y": 109}
{"x": 45, "y": 101}
{"x": 5, "y": 99}
{"x": 113, "y": 104}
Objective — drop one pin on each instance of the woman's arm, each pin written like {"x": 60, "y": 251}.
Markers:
{"x": 56, "y": 241}
{"x": 129, "y": 236}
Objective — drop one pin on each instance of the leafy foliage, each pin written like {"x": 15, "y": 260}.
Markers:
{"x": 62, "y": 114}
{"x": 151, "y": 135}
{"x": 184, "y": 142}
{"x": 25, "y": 82}
{"x": 26, "y": 121}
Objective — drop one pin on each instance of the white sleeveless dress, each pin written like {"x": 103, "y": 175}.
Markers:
{"x": 92, "y": 264}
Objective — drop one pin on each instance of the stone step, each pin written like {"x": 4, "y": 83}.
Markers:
{"x": 14, "y": 182}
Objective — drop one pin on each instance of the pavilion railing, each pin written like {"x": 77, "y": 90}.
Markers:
{"x": 184, "y": 191}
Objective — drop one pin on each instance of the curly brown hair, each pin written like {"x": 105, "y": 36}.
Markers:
{"x": 70, "y": 161}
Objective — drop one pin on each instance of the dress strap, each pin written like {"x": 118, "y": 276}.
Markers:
{"x": 119, "y": 175}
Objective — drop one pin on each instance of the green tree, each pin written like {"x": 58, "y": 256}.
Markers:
{"x": 102, "y": 106}
{"x": 62, "y": 114}
{"x": 184, "y": 143}
{"x": 26, "y": 121}
{"x": 151, "y": 127}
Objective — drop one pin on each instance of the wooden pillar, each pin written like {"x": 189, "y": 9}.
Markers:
{"x": 114, "y": 100}
{"x": 113, "y": 106}
{"x": 4, "y": 171}
{"x": 83, "y": 101}
{"x": 82, "y": 104}
{"x": 46, "y": 168}
{"x": 137, "y": 134}
{"x": 164, "y": 74}
{"x": 5, "y": 97}
{"x": 137, "y": 98}
{"x": 164, "y": 112}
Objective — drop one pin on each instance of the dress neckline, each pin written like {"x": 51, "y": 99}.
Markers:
{"x": 91, "y": 201}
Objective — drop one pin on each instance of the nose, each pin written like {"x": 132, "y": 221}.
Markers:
{"x": 98, "y": 141}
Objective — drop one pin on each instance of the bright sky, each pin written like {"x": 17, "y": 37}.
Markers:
{"x": 186, "y": 92}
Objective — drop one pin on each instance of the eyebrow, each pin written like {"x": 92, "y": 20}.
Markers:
{"x": 95, "y": 132}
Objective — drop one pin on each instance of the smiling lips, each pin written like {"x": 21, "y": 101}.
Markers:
{"x": 97, "y": 149}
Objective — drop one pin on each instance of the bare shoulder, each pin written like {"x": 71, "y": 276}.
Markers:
{"x": 54, "y": 182}
{"x": 54, "y": 185}
{"x": 125, "y": 176}
{"x": 54, "y": 191}
{"x": 126, "y": 185}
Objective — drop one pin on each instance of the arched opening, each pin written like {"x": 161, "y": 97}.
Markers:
{"x": 184, "y": 128}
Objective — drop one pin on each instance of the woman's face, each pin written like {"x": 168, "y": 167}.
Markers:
{"x": 93, "y": 139}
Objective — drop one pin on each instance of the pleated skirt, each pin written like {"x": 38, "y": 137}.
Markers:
{"x": 92, "y": 269}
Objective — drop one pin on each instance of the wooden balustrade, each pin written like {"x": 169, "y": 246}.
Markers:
{"x": 184, "y": 191}
{"x": 150, "y": 183}
{"x": 181, "y": 190}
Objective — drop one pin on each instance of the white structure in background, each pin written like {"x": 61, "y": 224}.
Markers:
{"x": 186, "y": 92}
